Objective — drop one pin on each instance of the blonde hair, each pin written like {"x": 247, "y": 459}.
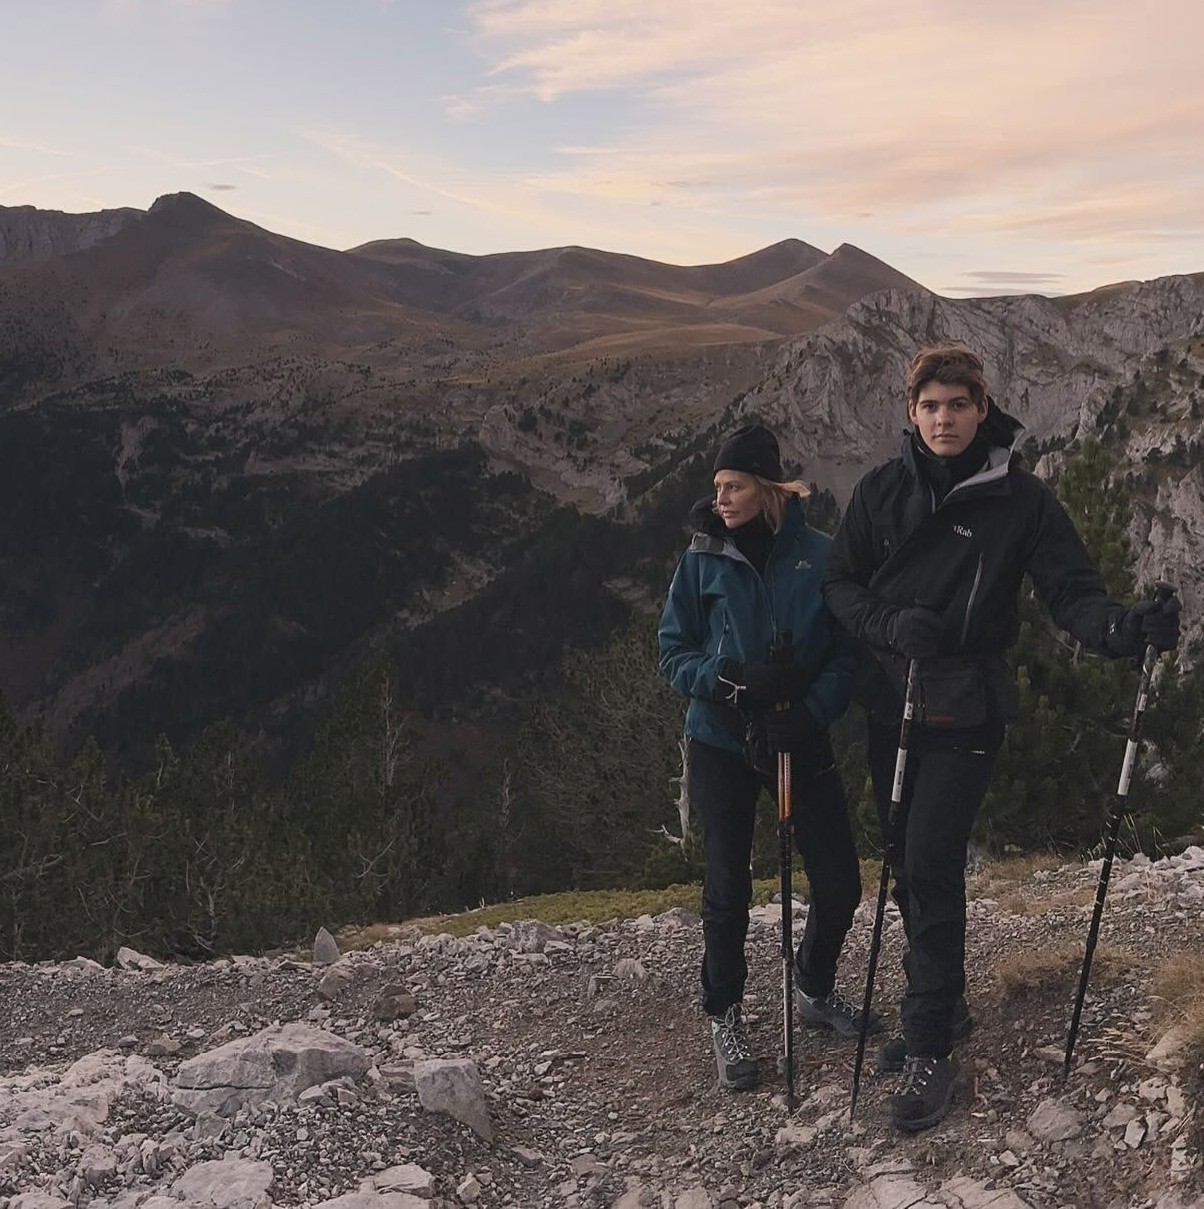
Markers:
{"x": 775, "y": 497}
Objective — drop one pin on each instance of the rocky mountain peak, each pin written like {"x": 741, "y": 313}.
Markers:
{"x": 27, "y": 233}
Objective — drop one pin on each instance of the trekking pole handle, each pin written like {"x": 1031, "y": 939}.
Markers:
{"x": 909, "y": 709}
{"x": 1163, "y": 592}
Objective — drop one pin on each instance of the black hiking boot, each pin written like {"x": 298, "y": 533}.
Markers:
{"x": 733, "y": 1052}
{"x": 833, "y": 1011}
{"x": 892, "y": 1054}
{"x": 926, "y": 1093}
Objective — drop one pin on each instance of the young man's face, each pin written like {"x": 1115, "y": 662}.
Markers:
{"x": 946, "y": 417}
{"x": 737, "y": 497}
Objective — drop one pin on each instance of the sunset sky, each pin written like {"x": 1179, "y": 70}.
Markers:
{"x": 980, "y": 146}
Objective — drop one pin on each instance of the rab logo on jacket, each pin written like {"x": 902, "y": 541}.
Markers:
{"x": 962, "y": 531}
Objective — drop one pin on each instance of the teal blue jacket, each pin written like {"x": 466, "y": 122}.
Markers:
{"x": 720, "y": 608}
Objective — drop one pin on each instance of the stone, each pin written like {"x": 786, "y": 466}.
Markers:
{"x": 225, "y": 1184}
{"x": 1168, "y": 1049}
{"x": 1120, "y": 1115}
{"x": 335, "y": 980}
{"x": 795, "y": 1136}
{"x": 271, "y": 1066}
{"x": 694, "y": 1198}
{"x": 966, "y": 1193}
{"x": 131, "y": 959}
{"x": 1153, "y": 1089}
{"x": 325, "y": 949}
{"x": 97, "y": 1165}
{"x": 407, "y": 1177}
{"x": 369, "y": 1199}
{"x": 394, "y": 1002}
{"x": 1053, "y": 1121}
{"x": 37, "y": 1200}
{"x": 892, "y": 1191}
{"x": 1135, "y": 1133}
{"x": 453, "y": 1086}
{"x": 84, "y": 965}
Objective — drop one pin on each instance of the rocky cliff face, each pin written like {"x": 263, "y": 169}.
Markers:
{"x": 27, "y": 233}
{"x": 1125, "y": 365}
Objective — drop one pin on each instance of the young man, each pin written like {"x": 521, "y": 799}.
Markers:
{"x": 927, "y": 565}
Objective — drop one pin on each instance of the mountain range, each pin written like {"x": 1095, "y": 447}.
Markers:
{"x": 233, "y": 464}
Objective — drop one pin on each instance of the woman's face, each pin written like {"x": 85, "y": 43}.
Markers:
{"x": 737, "y": 497}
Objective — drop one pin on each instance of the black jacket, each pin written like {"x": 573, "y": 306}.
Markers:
{"x": 964, "y": 558}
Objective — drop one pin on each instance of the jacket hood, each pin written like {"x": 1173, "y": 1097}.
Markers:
{"x": 1003, "y": 431}
{"x": 704, "y": 518}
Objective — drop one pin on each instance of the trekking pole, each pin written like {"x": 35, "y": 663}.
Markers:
{"x": 785, "y": 844}
{"x": 896, "y": 796}
{"x": 1162, "y": 593}
{"x": 782, "y": 651}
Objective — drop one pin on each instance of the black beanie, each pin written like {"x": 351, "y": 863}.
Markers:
{"x": 752, "y": 449}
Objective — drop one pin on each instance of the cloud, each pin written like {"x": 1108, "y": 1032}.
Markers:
{"x": 221, "y": 188}
{"x": 242, "y": 163}
{"x": 121, "y": 11}
{"x": 22, "y": 189}
{"x": 1006, "y": 281}
{"x": 1033, "y": 119}
{"x": 504, "y": 208}
{"x": 1013, "y": 277}
{"x": 12, "y": 144}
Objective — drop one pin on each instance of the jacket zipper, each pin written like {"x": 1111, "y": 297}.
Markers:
{"x": 970, "y": 602}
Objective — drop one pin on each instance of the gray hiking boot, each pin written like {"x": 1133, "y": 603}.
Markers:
{"x": 733, "y": 1052}
{"x": 892, "y": 1054}
{"x": 926, "y": 1093}
{"x": 833, "y": 1011}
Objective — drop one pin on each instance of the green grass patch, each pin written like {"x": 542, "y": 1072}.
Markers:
{"x": 578, "y": 906}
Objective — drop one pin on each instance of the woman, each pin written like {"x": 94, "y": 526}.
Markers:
{"x": 746, "y": 637}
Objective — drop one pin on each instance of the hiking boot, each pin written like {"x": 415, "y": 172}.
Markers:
{"x": 892, "y": 1054}
{"x": 733, "y": 1052}
{"x": 926, "y": 1093}
{"x": 833, "y": 1011}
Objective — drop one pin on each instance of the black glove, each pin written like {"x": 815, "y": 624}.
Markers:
{"x": 764, "y": 683}
{"x": 915, "y": 633}
{"x": 1148, "y": 623}
{"x": 794, "y": 730}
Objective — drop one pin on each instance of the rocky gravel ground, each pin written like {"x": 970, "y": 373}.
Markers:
{"x": 538, "y": 1066}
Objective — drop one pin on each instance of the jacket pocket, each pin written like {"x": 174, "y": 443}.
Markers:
{"x": 951, "y": 693}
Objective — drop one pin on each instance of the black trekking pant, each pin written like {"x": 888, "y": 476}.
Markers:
{"x": 947, "y": 775}
{"x": 723, "y": 790}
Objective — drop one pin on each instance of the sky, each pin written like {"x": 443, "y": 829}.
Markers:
{"x": 980, "y": 146}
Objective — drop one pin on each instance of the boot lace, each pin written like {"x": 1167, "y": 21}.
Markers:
{"x": 732, "y": 1035}
{"x": 917, "y": 1071}
{"x": 838, "y": 1005}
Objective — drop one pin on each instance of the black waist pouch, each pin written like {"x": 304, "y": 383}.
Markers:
{"x": 951, "y": 693}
